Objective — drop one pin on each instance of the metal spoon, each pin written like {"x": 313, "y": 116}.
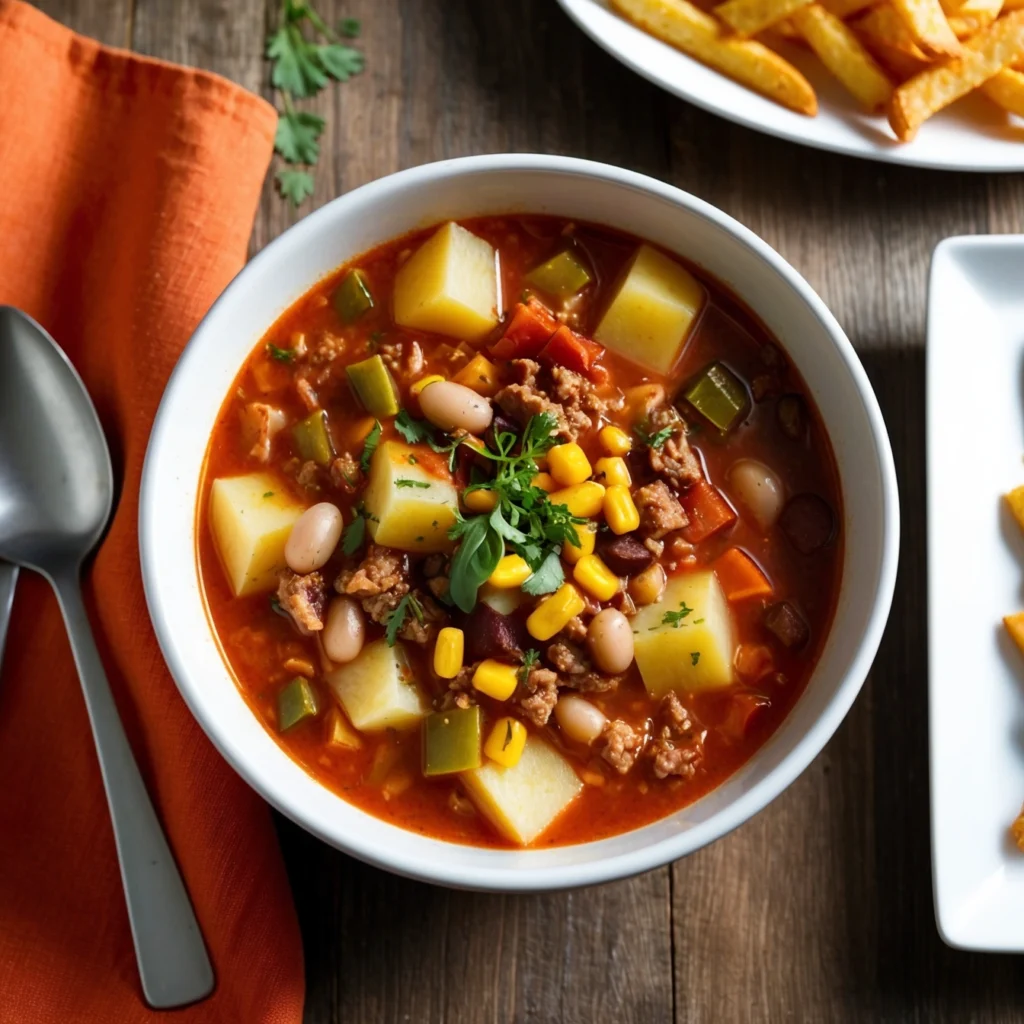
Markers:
{"x": 56, "y": 493}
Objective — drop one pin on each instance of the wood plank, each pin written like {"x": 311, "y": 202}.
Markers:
{"x": 109, "y": 21}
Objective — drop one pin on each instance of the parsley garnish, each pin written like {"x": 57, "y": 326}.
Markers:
{"x": 282, "y": 355}
{"x": 268, "y": 494}
{"x": 674, "y": 619}
{"x": 405, "y": 482}
{"x": 370, "y": 446}
{"x": 301, "y": 68}
{"x": 395, "y": 620}
{"x": 655, "y": 440}
{"x": 412, "y": 460}
{"x": 414, "y": 431}
{"x": 355, "y": 533}
{"x": 530, "y": 658}
{"x": 697, "y": 622}
{"x": 694, "y": 657}
{"x": 548, "y": 578}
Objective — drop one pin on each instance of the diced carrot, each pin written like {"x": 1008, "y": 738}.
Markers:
{"x": 1015, "y": 627}
{"x": 708, "y": 511}
{"x": 527, "y": 333}
{"x": 753, "y": 661}
{"x": 741, "y": 577}
{"x": 568, "y": 349}
{"x": 742, "y": 708}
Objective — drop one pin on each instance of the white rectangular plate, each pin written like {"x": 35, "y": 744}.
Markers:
{"x": 975, "y": 382}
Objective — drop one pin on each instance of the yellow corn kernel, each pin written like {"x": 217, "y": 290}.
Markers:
{"x": 554, "y": 612}
{"x": 495, "y": 679}
{"x": 569, "y": 465}
{"x": 545, "y": 481}
{"x": 423, "y": 382}
{"x": 615, "y": 440}
{"x": 587, "y": 535}
{"x": 448, "y": 652}
{"x": 511, "y": 571}
{"x": 480, "y": 500}
{"x": 584, "y": 499}
{"x": 596, "y": 578}
{"x": 612, "y": 470}
{"x": 620, "y": 511}
{"x": 479, "y": 375}
{"x": 506, "y": 742}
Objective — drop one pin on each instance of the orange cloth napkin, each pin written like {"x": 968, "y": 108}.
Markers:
{"x": 127, "y": 194}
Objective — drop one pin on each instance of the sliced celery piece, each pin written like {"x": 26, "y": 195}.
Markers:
{"x": 562, "y": 275}
{"x": 451, "y": 741}
{"x": 374, "y": 386}
{"x": 352, "y": 298}
{"x": 313, "y": 439}
{"x": 296, "y": 702}
{"x": 719, "y": 396}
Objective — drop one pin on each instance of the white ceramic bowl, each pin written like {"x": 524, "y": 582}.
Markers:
{"x": 577, "y": 189}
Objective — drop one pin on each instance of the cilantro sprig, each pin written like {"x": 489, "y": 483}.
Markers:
{"x": 530, "y": 659}
{"x": 655, "y": 440}
{"x": 396, "y": 619}
{"x": 301, "y": 67}
{"x": 675, "y": 619}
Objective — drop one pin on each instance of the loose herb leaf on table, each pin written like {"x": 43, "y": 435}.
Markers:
{"x": 301, "y": 67}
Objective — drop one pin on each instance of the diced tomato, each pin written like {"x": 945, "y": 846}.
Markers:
{"x": 527, "y": 333}
{"x": 709, "y": 512}
{"x": 742, "y": 708}
{"x": 566, "y": 348}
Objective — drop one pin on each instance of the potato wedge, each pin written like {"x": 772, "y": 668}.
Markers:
{"x": 844, "y": 55}
{"x": 1006, "y": 90}
{"x": 929, "y": 92}
{"x": 929, "y": 27}
{"x": 748, "y": 17}
{"x": 697, "y": 34}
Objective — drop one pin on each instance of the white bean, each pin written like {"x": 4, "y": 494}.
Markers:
{"x": 579, "y": 719}
{"x": 758, "y": 489}
{"x": 452, "y": 406}
{"x": 314, "y": 537}
{"x": 610, "y": 639}
{"x": 344, "y": 630}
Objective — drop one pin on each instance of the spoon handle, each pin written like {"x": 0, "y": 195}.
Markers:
{"x": 172, "y": 959}
{"x": 8, "y": 579}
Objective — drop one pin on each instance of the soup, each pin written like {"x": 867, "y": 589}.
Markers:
{"x": 520, "y": 532}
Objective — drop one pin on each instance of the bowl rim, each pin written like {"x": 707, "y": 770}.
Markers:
{"x": 521, "y": 877}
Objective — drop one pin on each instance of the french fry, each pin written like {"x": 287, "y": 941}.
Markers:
{"x": 748, "y": 17}
{"x": 897, "y": 63}
{"x": 844, "y": 55}
{"x": 1013, "y": 5}
{"x": 1006, "y": 89}
{"x": 689, "y": 29}
{"x": 884, "y": 26}
{"x": 846, "y": 8}
{"x": 973, "y": 16}
{"x": 929, "y": 27}
{"x": 985, "y": 55}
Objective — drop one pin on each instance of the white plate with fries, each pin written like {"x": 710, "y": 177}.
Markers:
{"x": 841, "y": 75}
{"x": 975, "y": 374}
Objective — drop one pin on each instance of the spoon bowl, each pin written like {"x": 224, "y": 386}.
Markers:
{"x": 56, "y": 494}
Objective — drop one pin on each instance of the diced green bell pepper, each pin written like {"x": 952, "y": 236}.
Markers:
{"x": 719, "y": 396}
{"x": 352, "y": 298}
{"x": 374, "y": 386}
{"x": 451, "y": 741}
{"x": 313, "y": 439}
{"x": 561, "y": 276}
{"x": 296, "y": 702}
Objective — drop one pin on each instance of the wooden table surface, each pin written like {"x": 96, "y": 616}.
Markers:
{"x": 820, "y": 908}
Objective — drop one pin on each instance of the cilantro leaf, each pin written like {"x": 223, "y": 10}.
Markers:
{"x": 675, "y": 619}
{"x": 504, "y": 529}
{"x": 548, "y": 578}
{"x": 340, "y": 61}
{"x": 370, "y": 446}
{"x": 655, "y": 440}
{"x": 282, "y": 355}
{"x": 414, "y": 431}
{"x": 694, "y": 657}
{"x": 297, "y": 69}
{"x": 405, "y": 482}
{"x": 354, "y": 535}
{"x": 394, "y": 621}
{"x": 478, "y": 553}
{"x": 530, "y": 658}
{"x": 297, "y": 136}
{"x": 295, "y": 186}
{"x": 349, "y": 27}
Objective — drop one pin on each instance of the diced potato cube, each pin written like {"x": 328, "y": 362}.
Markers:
{"x": 686, "y": 640}
{"x": 377, "y": 689}
{"x": 251, "y": 517}
{"x": 652, "y": 312}
{"x": 409, "y": 505}
{"x": 521, "y": 802}
{"x": 449, "y": 285}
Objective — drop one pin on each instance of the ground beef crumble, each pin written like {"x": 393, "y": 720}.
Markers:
{"x": 674, "y": 460}
{"x": 576, "y": 668}
{"x": 660, "y": 511}
{"x": 379, "y": 583}
{"x": 417, "y": 632}
{"x": 541, "y": 695}
{"x": 677, "y": 747}
{"x": 346, "y": 474}
{"x": 620, "y": 745}
{"x": 304, "y": 598}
